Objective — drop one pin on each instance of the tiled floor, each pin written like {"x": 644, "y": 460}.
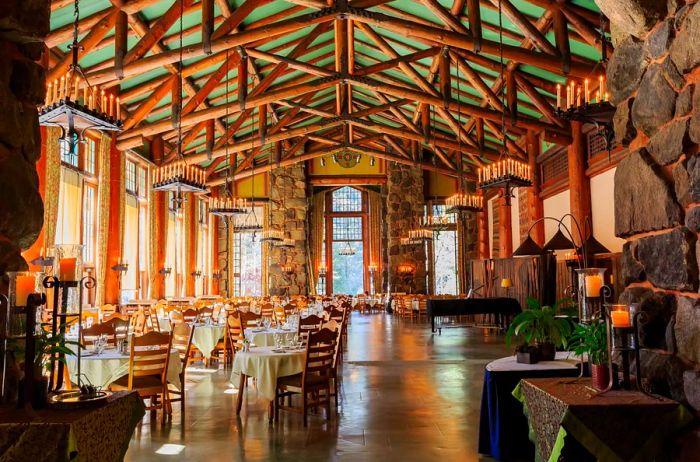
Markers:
{"x": 407, "y": 395}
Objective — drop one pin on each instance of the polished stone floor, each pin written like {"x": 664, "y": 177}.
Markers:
{"x": 407, "y": 395}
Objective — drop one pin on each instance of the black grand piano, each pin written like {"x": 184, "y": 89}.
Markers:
{"x": 503, "y": 307}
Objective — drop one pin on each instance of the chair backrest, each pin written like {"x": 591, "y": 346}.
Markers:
{"x": 120, "y": 326}
{"x": 308, "y": 325}
{"x": 337, "y": 315}
{"x": 182, "y": 341}
{"x": 176, "y": 317}
{"x": 139, "y": 322}
{"x": 107, "y": 310}
{"x": 189, "y": 315}
{"x": 249, "y": 319}
{"x": 91, "y": 334}
{"x": 204, "y": 313}
{"x": 152, "y": 320}
{"x": 235, "y": 330}
{"x": 267, "y": 310}
{"x": 123, "y": 317}
{"x": 150, "y": 354}
{"x": 320, "y": 353}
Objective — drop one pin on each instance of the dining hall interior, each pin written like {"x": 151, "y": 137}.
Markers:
{"x": 349, "y": 230}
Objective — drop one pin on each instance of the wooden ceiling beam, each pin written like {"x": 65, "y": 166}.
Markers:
{"x": 525, "y": 26}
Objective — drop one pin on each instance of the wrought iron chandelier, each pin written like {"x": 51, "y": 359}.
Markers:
{"x": 177, "y": 176}
{"x": 75, "y": 111}
{"x": 347, "y": 251}
{"x": 507, "y": 172}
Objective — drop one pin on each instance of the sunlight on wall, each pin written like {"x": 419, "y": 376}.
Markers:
{"x": 556, "y": 206}
{"x": 603, "y": 210}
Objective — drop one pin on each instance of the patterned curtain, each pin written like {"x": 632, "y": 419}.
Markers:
{"x": 154, "y": 222}
{"x": 375, "y": 234}
{"x": 266, "y": 253}
{"x": 53, "y": 185}
{"x": 318, "y": 204}
{"x": 103, "y": 185}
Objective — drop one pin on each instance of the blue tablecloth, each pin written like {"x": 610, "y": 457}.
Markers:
{"x": 503, "y": 429}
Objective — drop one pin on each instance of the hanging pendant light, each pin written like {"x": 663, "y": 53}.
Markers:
{"x": 507, "y": 172}
{"x": 177, "y": 176}
{"x": 348, "y": 250}
{"x": 230, "y": 205}
{"x": 74, "y": 106}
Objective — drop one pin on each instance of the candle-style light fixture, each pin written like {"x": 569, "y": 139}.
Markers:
{"x": 588, "y": 101}
{"x": 347, "y": 251}
{"x": 507, "y": 172}
{"x": 286, "y": 243}
{"x": 177, "y": 176}
{"x": 74, "y": 106}
{"x": 230, "y": 204}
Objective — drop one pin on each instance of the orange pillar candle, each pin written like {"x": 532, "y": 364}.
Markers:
{"x": 620, "y": 318}
{"x": 24, "y": 285}
{"x": 66, "y": 269}
{"x": 593, "y": 285}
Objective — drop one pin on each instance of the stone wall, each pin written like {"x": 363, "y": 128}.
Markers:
{"x": 652, "y": 80}
{"x": 289, "y": 213}
{"x": 24, "y": 24}
{"x": 405, "y": 205}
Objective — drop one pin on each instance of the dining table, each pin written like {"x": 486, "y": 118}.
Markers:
{"x": 104, "y": 368}
{"x": 260, "y": 336}
{"x": 265, "y": 364}
{"x": 206, "y": 336}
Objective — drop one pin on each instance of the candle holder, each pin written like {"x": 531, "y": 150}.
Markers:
{"x": 590, "y": 293}
{"x": 121, "y": 267}
{"x": 165, "y": 271}
{"x": 622, "y": 326}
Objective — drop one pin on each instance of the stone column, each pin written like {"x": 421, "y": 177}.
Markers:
{"x": 405, "y": 205}
{"x": 289, "y": 211}
{"x": 652, "y": 79}
{"x": 24, "y": 25}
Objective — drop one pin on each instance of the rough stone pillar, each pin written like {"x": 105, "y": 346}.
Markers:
{"x": 652, "y": 78}
{"x": 24, "y": 24}
{"x": 405, "y": 205}
{"x": 289, "y": 211}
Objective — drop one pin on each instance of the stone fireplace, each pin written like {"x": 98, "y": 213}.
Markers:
{"x": 652, "y": 79}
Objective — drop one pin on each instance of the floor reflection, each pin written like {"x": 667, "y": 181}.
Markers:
{"x": 406, "y": 395}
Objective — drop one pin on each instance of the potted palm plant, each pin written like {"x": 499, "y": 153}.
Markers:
{"x": 544, "y": 327}
{"x": 591, "y": 340}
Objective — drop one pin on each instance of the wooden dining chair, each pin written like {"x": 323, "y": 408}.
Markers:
{"x": 120, "y": 326}
{"x": 235, "y": 332}
{"x": 138, "y": 321}
{"x": 189, "y": 315}
{"x": 148, "y": 371}
{"x": 152, "y": 324}
{"x": 182, "y": 342}
{"x": 249, "y": 319}
{"x": 308, "y": 325}
{"x": 89, "y": 335}
{"x": 314, "y": 382}
{"x": 267, "y": 310}
{"x": 107, "y": 310}
{"x": 204, "y": 313}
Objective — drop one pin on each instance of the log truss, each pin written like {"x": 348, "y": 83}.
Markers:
{"x": 414, "y": 82}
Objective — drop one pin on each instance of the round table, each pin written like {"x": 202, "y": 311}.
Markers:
{"x": 206, "y": 336}
{"x": 503, "y": 429}
{"x": 266, "y": 365}
{"x": 105, "y": 368}
{"x": 266, "y": 337}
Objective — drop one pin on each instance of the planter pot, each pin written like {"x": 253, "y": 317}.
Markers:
{"x": 600, "y": 376}
{"x": 527, "y": 357}
{"x": 547, "y": 351}
{"x": 40, "y": 392}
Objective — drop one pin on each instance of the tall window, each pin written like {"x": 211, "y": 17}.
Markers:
{"x": 247, "y": 257}
{"x": 444, "y": 253}
{"x": 135, "y": 242}
{"x": 346, "y": 247}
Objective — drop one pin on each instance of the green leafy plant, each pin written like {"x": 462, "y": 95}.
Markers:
{"x": 543, "y": 324}
{"x": 46, "y": 346}
{"x": 590, "y": 339}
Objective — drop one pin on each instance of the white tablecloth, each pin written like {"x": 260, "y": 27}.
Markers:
{"x": 103, "y": 369}
{"x": 563, "y": 360}
{"x": 266, "y": 337}
{"x": 206, "y": 337}
{"x": 266, "y": 365}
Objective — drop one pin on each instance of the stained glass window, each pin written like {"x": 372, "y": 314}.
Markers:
{"x": 347, "y": 199}
{"x": 347, "y": 228}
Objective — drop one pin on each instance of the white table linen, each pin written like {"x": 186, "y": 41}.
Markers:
{"x": 562, "y": 360}
{"x": 266, "y": 337}
{"x": 105, "y": 368}
{"x": 206, "y": 337}
{"x": 266, "y": 366}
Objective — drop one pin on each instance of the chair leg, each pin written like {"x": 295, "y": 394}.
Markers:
{"x": 328, "y": 403}
{"x": 306, "y": 409}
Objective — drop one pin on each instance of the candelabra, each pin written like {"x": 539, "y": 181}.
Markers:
{"x": 464, "y": 202}
{"x": 196, "y": 274}
{"x": 322, "y": 276}
{"x": 179, "y": 177}
{"x": 286, "y": 243}
{"x": 229, "y": 206}
{"x": 272, "y": 236}
{"x": 506, "y": 174}
{"x": 165, "y": 271}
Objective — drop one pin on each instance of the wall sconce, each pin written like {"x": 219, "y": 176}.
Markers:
{"x": 323, "y": 161}
{"x": 322, "y": 271}
{"x": 406, "y": 269}
{"x": 372, "y": 268}
{"x": 287, "y": 268}
{"x": 217, "y": 275}
{"x": 165, "y": 271}
{"x": 121, "y": 266}
{"x": 196, "y": 274}
{"x": 371, "y": 161}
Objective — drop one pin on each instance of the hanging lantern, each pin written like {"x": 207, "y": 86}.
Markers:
{"x": 347, "y": 251}
{"x": 464, "y": 202}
